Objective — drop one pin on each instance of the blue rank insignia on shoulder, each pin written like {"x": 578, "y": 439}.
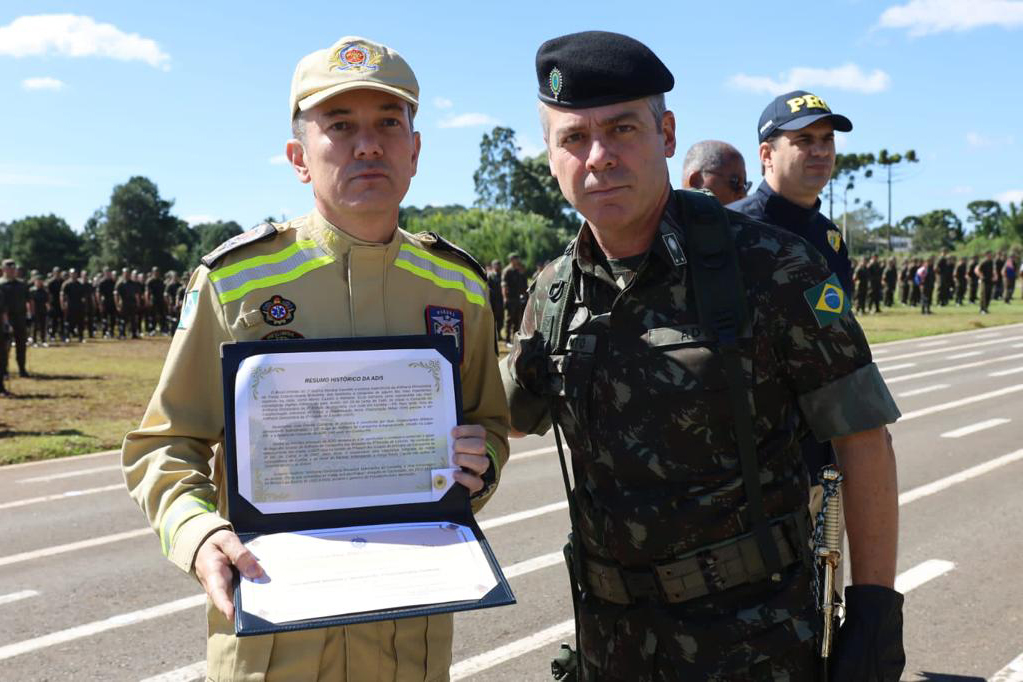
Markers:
{"x": 827, "y": 300}
{"x": 447, "y": 322}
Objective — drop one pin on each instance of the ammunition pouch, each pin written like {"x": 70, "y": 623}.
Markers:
{"x": 715, "y": 568}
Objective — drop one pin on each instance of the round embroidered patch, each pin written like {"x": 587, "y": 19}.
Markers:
{"x": 282, "y": 335}
{"x": 277, "y": 311}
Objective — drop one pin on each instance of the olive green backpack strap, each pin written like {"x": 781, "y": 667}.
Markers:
{"x": 724, "y": 314}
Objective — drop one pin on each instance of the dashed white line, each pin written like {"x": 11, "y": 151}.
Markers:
{"x": 908, "y": 581}
{"x": 960, "y": 356}
{"x": 965, "y": 346}
{"x": 61, "y": 496}
{"x": 1017, "y": 345}
{"x": 96, "y": 627}
{"x": 17, "y": 596}
{"x": 946, "y": 370}
{"x": 925, "y": 389}
{"x": 534, "y": 564}
{"x": 965, "y": 475}
{"x": 489, "y": 659}
{"x": 1010, "y": 673}
{"x": 1006, "y": 372}
{"x": 959, "y": 403}
{"x": 73, "y": 546}
{"x": 196, "y": 671}
{"x": 974, "y": 428}
{"x": 61, "y": 460}
{"x": 894, "y": 368}
{"x": 931, "y": 344}
{"x": 522, "y": 515}
{"x": 70, "y": 474}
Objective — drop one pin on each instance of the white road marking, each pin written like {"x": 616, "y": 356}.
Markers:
{"x": 533, "y": 453}
{"x": 960, "y": 356}
{"x": 959, "y": 403}
{"x": 974, "y": 428}
{"x": 96, "y": 627}
{"x": 489, "y": 659}
{"x": 988, "y": 335}
{"x": 965, "y": 346}
{"x": 62, "y": 496}
{"x": 926, "y": 389}
{"x": 72, "y": 546}
{"x": 894, "y": 368}
{"x": 61, "y": 460}
{"x": 17, "y": 596}
{"x": 922, "y": 573}
{"x": 196, "y": 671}
{"x": 534, "y": 564}
{"x": 70, "y": 474}
{"x": 1006, "y": 372}
{"x": 1008, "y": 328}
{"x": 1010, "y": 673}
{"x": 930, "y": 344}
{"x": 1017, "y": 345}
{"x": 522, "y": 515}
{"x": 946, "y": 370}
{"x": 960, "y": 477}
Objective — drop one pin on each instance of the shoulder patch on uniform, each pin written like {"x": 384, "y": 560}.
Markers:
{"x": 188, "y": 309}
{"x": 255, "y": 234}
{"x": 442, "y": 321}
{"x": 444, "y": 245}
{"x": 835, "y": 239}
{"x": 827, "y": 300}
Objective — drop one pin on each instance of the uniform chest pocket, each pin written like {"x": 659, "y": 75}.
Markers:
{"x": 683, "y": 362}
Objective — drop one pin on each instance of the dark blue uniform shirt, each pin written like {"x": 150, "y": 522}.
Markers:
{"x": 768, "y": 206}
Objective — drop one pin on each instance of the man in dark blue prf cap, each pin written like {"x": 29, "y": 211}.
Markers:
{"x": 683, "y": 349}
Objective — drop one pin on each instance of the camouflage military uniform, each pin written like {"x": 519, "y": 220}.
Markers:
{"x": 655, "y": 458}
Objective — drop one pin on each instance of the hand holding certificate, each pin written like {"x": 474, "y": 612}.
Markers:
{"x": 342, "y": 459}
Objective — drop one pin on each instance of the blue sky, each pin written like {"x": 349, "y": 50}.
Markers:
{"x": 194, "y": 95}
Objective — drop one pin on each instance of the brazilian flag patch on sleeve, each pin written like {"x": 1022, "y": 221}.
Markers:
{"x": 827, "y": 300}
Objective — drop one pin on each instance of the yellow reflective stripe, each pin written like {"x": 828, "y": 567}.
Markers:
{"x": 273, "y": 280}
{"x": 283, "y": 254}
{"x": 442, "y": 283}
{"x": 440, "y": 262}
{"x": 492, "y": 453}
{"x": 181, "y": 510}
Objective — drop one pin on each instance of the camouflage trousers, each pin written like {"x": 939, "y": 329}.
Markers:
{"x": 753, "y": 633}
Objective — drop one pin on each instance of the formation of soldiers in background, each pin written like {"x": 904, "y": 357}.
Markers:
{"x": 508, "y": 289}
{"x": 69, "y": 304}
{"x": 917, "y": 281}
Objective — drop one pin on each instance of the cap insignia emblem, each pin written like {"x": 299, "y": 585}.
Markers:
{"x": 355, "y": 57}
{"x": 554, "y": 80}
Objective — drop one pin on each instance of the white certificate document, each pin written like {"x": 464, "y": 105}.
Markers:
{"x": 335, "y": 572}
{"x": 344, "y": 429}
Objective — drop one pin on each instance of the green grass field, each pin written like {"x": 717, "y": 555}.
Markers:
{"x": 85, "y": 397}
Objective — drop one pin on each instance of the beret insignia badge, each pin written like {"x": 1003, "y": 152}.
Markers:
{"x": 555, "y": 81}
{"x": 356, "y": 58}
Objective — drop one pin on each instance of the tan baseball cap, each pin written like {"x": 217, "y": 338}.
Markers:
{"x": 351, "y": 63}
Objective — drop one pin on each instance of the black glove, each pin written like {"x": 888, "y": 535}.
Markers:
{"x": 868, "y": 646}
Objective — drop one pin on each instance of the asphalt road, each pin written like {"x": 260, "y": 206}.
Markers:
{"x": 86, "y": 595}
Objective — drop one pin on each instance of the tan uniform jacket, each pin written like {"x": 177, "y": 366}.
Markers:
{"x": 339, "y": 287}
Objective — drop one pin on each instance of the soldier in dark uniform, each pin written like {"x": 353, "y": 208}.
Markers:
{"x": 959, "y": 275}
{"x": 875, "y": 272}
{"x": 861, "y": 277}
{"x": 513, "y": 287}
{"x": 53, "y": 285}
{"x": 999, "y": 284}
{"x": 1009, "y": 273}
{"x": 72, "y": 301}
{"x": 126, "y": 299}
{"x": 39, "y": 298}
{"x": 891, "y": 279}
{"x": 905, "y": 280}
{"x": 927, "y": 278}
{"x": 971, "y": 272}
{"x": 170, "y": 299}
{"x": 5, "y": 340}
{"x": 16, "y": 294}
{"x": 496, "y": 296}
{"x": 613, "y": 351}
{"x": 138, "y": 279}
{"x": 107, "y": 304}
{"x": 155, "y": 303}
{"x": 90, "y": 304}
{"x": 985, "y": 271}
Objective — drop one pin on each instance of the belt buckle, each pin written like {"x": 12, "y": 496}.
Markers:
{"x": 709, "y": 568}
{"x": 640, "y": 584}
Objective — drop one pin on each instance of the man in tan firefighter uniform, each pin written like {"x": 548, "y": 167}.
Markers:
{"x": 343, "y": 270}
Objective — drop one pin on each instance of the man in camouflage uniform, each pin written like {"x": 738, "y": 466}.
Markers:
{"x": 959, "y": 274}
{"x": 861, "y": 278}
{"x": 344, "y": 270}
{"x": 927, "y": 278}
{"x": 513, "y": 290}
{"x": 875, "y": 272}
{"x": 672, "y": 584}
{"x": 16, "y": 293}
{"x": 891, "y": 279}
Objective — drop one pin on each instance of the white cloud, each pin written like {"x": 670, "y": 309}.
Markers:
{"x": 442, "y": 103}
{"x": 468, "y": 121}
{"x": 42, "y": 83}
{"x": 194, "y": 220}
{"x": 71, "y": 35}
{"x": 923, "y": 17}
{"x": 278, "y": 159}
{"x": 23, "y": 180}
{"x": 977, "y": 140}
{"x": 846, "y": 77}
{"x": 962, "y": 189}
{"x": 1014, "y": 196}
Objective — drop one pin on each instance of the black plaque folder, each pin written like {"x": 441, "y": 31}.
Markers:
{"x": 330, "y": 447}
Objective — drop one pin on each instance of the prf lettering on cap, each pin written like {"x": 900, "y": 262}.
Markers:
{"x": 809, "y": 101}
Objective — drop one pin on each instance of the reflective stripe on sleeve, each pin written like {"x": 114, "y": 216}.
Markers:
{"x": 442, "y": 273}
{"x": 181, "y": 510}
{"x": 234, "y": 281}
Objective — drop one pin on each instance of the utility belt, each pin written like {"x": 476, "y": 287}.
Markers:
{"x": 731, "y": 563}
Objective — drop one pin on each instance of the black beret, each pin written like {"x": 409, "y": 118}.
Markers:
{"x": 595, "y": 68}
